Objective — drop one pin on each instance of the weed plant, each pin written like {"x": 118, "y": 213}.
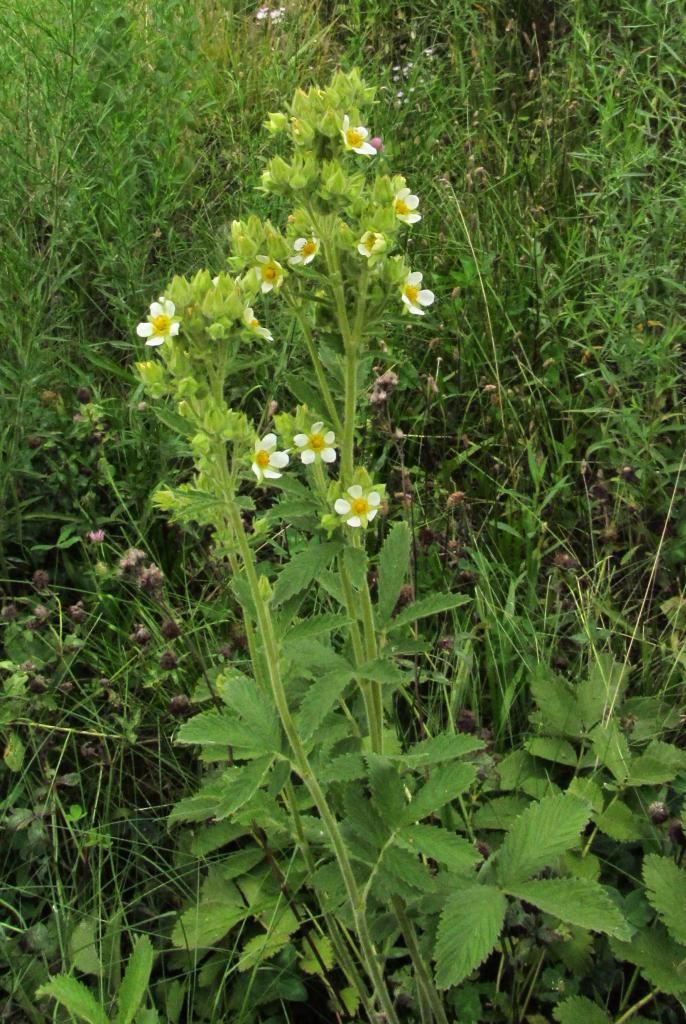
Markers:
{"x": 531, "y": 431}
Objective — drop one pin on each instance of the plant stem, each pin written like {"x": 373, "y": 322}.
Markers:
{"x": 635, "y": 1008}
{"x": 425, "y": 987}
{"x": 302, "y": 765}
{"x": 324, "y": 389}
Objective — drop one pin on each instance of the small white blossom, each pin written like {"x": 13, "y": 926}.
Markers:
{"x": 405, "y": 206}
{"x": 266, "y": 461}
{"x": 359, "y": 508}
{"x": 355, "y": 139}
{"x": 371, "y": 244}
{"x": 414, "y": 297}
{"x": 316, "y": 445}
{"x": 251, "y": 321}
{"x": 270, "y": 273}
{"x": 161, "y": 323}
{"x": 305, "y": 251}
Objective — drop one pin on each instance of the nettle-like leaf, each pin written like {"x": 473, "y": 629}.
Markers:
{"x": 660, "y": 959}
{"x": 666, "y": 891}
{"x": 500, "y": 813}
{"x": 444, "y": 784}
{"x": 553, "y": 749}
{"x": 386, "y": 785}
{"x": 545, "y": 831}
{"x": 393, "y": 565}
{"x": 302, "y": 569}
{"x": 602, "y": 692}
{"x": 579, "y": 1010}
{"x": 659, "y": 763}
{"x": 556, "y": 711}
{"x": 135, "y": 981}
{"x": 426, "y": 606}
{"x": 445, "y": 847}
{"x": 468, "y": 931}
{"x": 611, "y": 748}
{"x": 438, "y": 749}
{"x": 224, "y": 795}
{"x": 576, "y": 901}
{"x": 320, "y": 698}
{"x": 75, "y": 998}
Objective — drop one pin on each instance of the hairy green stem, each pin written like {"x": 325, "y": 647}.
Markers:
{"x": 303, "y": 768}
{"x": 428, "y": 996}
{"x": 324, "y": 389}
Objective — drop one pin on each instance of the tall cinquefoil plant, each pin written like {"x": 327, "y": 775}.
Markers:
{"x": 299, "y": 746}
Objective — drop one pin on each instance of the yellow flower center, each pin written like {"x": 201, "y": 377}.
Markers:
{"x": 162, "y": 323}
{"x": 359, "y": 506}
{"x": 262, "y": 458}
{"x": 254, "y": 323}
{"x": 269, "y": 272}
{"x": 411, "y": 291}
{"x": 309, "y": 248}
{"x": 401, "y": 208}
{"x": 317, "y": 442}
{"x": 369, "y": 242}
{"x": 354, "y": 138}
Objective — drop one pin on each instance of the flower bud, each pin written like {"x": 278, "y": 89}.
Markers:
{"x": 658, "y": 812}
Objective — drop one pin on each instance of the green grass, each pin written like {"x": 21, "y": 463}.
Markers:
{"x": 547, "y": 144}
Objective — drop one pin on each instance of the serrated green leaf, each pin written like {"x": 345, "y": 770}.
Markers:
{"x": 444, "y": 784}
{"x": 387, "y": 789}
{"x": 383, "y": 671}
{"x": 320, "y": 962}
{"x": 351, "y": 999}
{"x": 213, "y": 837}
{"x": 576, "y": 901}
{"x": 297, "y": 574}
{"x": 666, "y": 890}
{"x": 553, "y": 749}
{"x": 393, "y": 565}
{"x": 84, "y": 949}
{"x": 440, "y": 845}
{"x": 579, "y": 1010}
{"x": 499, "y": 813}
{"x": 660, "y": 762}
{"x": 356, "y": 564}
{"x": 619, "y": 822}
{"x": 602, "y": 690}
{"x": 545, "y": 831}
{"x": 445, "y": 747}
{"x": 225, "y": 794}
{"x": 433, "y": 605}
{"x": 660, "y": 960}
{"x": 75, "y": 998}
{"x": 134, "y": 984}
{"x": 207, "y": 923}
{"x": 587, "y": 790}
{"x": 611, "y": 748}
{"x": 344, "y": 768}
{"x": 468, "y": 931}
{"x": 556, "y": 706}
{"x": 319, "y": 699}
{"x": 401, "y": 874}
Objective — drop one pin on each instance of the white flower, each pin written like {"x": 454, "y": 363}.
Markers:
{"x": 413, "y": 298}
{"x": 270, "y": 273}
{"x": 251, "y": 321}
{"x": 305, "y": 251}
{"x": 355, "y": 139}
{"x": 266, "y": 460}
{"x": 405, "y": 206}
{"x": 316, "y": 445}
{"x": 361, "y": 508}
{"x": 161, "y": 324}
{"x": 371, "y": 243}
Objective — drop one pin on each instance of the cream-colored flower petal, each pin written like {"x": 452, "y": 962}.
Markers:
{"x": 372, "y": 512}
{"x": 417, "y": 310}
{"x": 355, "y": 491}
{"x": 374, "y": 499}
{"x": 154, "y": 342}
{"x": 174, "y": 329}
{"x": 267, "y": 443}
{"x": 156, "y": 309}
{"x": 354, "y": 521}
{"x": 169, "y": 307}
{"x": 307, "y": 457}
{"x": 256, "y": 470}
{"x": 425, "y": 297}
{"x": 145, "y": 330}
{"x": 329, "y": 436}
{"x": 301, "y": 440}
{"x": 328, "y": 455}
{"x": 279, "y": 459}
{"x": 342, "y": 506}
{"x": 316, "y": 428}
{"x": 271, "y": 474}
{"x": 414, "y": 278}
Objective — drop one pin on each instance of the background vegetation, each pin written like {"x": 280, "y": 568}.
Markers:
{"x": 534, "y": 439}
